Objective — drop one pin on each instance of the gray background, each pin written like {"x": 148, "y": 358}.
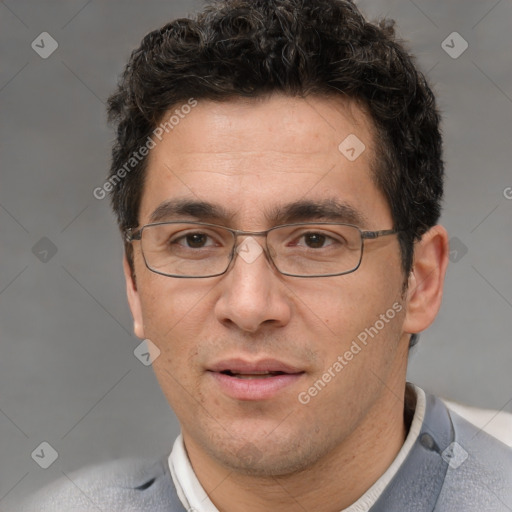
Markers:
{"x": 68, "y": 375}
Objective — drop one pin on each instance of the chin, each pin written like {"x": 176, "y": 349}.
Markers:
{"x": 269, "y": 458}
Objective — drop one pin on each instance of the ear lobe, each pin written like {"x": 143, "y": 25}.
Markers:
{"x": 426, "y": 281}
{"x": 133, "y": 299}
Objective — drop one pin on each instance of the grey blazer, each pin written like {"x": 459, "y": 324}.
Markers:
{"x": 452, "y": 467}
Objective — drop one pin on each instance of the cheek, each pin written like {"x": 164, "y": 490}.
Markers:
{"x": 357, "y": 318}
{"x": 357, "y": 346}
{"x": 175, "y": 315}
{"x": 341, "y": 307}
{"x": 173, "y": 310}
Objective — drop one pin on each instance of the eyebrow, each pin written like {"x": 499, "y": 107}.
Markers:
{"x": 198, "y": 210}
{"x": 329, "y": 210}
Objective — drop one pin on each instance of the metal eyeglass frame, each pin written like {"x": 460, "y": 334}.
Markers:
{"x": 132, "y": 234}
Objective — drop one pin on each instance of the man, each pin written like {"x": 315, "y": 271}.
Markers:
{"x": 277, "y": 178}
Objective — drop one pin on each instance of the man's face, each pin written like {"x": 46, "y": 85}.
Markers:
{"x": 251, "y": 160}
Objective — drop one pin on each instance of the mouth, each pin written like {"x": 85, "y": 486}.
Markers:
{"x": 253, "y": 375}
{"x": 261, "y": 380}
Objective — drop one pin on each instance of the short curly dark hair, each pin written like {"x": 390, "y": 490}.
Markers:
{"x": 251, "y": 48}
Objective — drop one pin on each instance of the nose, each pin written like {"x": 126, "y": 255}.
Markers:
{"x": 252, "y": 292}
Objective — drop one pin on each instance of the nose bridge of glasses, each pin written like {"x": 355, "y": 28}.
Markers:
{"x": 248, "y": 247}
{"x": 239, "y": 233}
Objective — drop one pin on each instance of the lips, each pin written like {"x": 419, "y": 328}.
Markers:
{"x": 253, "y": 375}
{"x": 260, "y": 380}
{"x": 262, "y": 367}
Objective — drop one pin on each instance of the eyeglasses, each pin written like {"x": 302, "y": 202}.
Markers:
{"x": 197, "y": 249}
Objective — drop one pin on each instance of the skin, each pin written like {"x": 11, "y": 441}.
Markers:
{"x": 252, "y": 156}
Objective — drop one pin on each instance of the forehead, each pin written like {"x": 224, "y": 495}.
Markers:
{"x": 254, "y": 155}
{"x": 265, "y": 124}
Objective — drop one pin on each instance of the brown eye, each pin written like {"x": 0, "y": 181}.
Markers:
{"x": 196, "y": 240}
{"x": 315, "y": 240}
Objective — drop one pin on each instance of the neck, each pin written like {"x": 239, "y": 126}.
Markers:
{"x": 329, "y": 485}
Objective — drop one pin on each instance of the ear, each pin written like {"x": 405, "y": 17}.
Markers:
{"x": 133, "y": 300}
{"x": 426, "y": 280}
